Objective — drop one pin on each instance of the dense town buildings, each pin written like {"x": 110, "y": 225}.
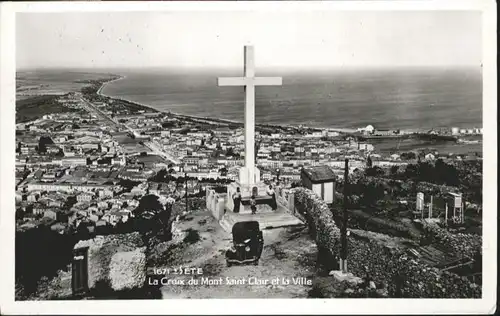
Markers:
{"x": 84, "y": 156}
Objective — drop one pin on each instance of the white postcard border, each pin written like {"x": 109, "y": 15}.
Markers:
{"x": 248, "y": 306}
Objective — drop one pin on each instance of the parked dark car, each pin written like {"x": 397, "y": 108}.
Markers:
{"x": 247, "y": 244}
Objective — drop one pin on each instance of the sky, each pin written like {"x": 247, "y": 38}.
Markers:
{"x": 216, "y": 39}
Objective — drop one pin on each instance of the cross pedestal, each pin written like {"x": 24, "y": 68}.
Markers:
{"x": 247, "y": 177}
{"x": 246, "y": 192}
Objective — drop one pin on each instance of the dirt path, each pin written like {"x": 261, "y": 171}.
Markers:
{"x": 289, "y": 253}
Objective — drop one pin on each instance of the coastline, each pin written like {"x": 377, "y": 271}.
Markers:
{"x": 100, "y": 93}
{"x": 219, "y": 120}
{"x": 411, "y": 133}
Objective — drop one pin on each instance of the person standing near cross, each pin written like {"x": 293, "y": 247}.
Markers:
{"x": 249, "y": 81}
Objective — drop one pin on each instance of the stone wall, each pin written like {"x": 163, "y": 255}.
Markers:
{"x": 104, "y": 251}
{"x": 321, "y": 223}
{"x": 282, "y": 195}
{"x": 126, "y": 269}
{"x": 286, "y": 198}
{"x": 403, "y": 276}
{"x": 216, "y": 203}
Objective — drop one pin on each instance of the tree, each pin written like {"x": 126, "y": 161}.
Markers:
{"x": 408, "y": 155}
{"x": 19, "y": 214}
{"x": 40, "y": 252}
{"x": 43, "y": 142}
{"x": 70, "y": 201}
{"x": 411, "y": 171}
{"x": 223, "y": 171}
{"x": 394, "y": 170}
{"x": 426, "y": 172}
{"x": 128, "y": 184}
{"x": 230, "y": 152}
{"x": 374, "y": 171}
{"x": 159, "y": 176}
{"x": 372, "y": 192}
{"x": 82, "y": 231}
{"x": 296, "y": 184}
{"x": 148, "y": 203}
{"x": 124, "y": 227}
{"x": 369, "y": 162}
{"x": 167, "y": 124}
{"x": 151, "y": 218}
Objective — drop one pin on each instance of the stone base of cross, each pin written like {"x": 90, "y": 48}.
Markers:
{"x": 246, "y": 190}
{"x": 245, "y": 176}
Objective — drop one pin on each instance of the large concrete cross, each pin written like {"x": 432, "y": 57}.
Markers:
{"x": 249, "y": 81}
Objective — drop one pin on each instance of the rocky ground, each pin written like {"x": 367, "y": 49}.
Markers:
{"x": 201, "y": 243}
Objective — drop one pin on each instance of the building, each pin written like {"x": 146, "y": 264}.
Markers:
{"x": 105, "y": 193}
{"x": 39, "y": 209}
{"x": 266, "y": 175}
{"x": 85, "y": 197}
{"x": 33, "y": 197}
{"x": 165, "y": 133}
{"x": 454, "y": 204}
{"x": 74, "y": 161}
{"x": 430, "y": 156}
{"x": 50, "y": 213}
{"x": 67, "y": 187}
{"x": 102, "y": 205}
{"x": 365, "y": 146}
{"x": 52, "y": 149}
{"x": 321, "y": 180}
{"x": 369, "y": 129}
{"x": 18, "y": 196}
{"x": 395, "y": 157}
{"x": 420, "y": 201}
{"x": 191, "y": 160}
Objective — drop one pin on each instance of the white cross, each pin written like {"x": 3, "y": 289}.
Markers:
{"x": 249, "y": 81}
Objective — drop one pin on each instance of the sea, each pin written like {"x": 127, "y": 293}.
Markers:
{"x": 402, "y": 98}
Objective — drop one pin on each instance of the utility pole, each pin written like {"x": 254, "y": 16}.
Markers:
{"x": 432, "y": 206}
{"x": 186, "y": 184}
{"x": 463, "y": 212}
{"x": 343, "y": 232}
{"x": 185, "y": 176}
{"x": 422, "y": 211}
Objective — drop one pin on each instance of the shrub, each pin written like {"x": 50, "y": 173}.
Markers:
{"x": 458, "y": 244}
{"x": 390, "y": 267}
{"x": 192, "y": 236}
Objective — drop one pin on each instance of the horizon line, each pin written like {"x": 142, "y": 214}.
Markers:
{"x": 196, "y": 68}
